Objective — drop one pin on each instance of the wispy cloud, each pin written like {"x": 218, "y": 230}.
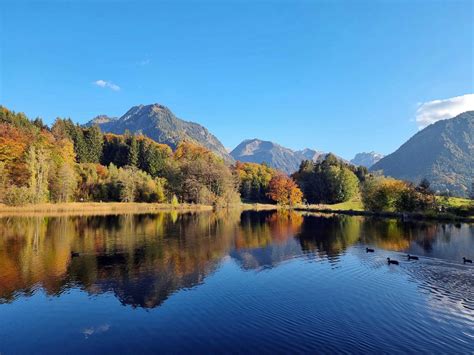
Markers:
{"x": 107, "y": 84}
{"x": 144, "y": 62}
{"x": 432, "y": 111}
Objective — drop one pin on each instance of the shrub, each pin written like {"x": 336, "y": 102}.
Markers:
{"x": 17, "y": 196}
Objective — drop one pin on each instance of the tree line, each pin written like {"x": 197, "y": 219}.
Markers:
{"x": 68, "y": 162}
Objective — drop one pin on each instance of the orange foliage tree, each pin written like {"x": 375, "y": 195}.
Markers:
{"x": 284, "y": 191}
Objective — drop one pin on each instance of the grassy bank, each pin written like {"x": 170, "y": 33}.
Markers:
{"x": 354, "y": 205}
{"x": 103, "y": 208}
{"x": 453, "y": 210}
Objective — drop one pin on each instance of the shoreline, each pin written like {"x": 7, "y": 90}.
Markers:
{"x": 114, "y": 208}
{"x": 404, "y": 216}
{"x": 105, "y": 208}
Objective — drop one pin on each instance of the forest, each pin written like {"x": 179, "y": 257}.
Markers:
{"x": 68, "y": 162}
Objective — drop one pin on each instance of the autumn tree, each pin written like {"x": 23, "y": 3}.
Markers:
{"x": 38, "y": 166}
{"x": 254, "y": 181}
{"x": 200, "y": 176}
{"x": 284, "y": 191}
{"x": 383, "y": 194}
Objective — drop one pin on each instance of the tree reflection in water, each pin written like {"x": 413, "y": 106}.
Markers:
{"x": 145, "y": 258}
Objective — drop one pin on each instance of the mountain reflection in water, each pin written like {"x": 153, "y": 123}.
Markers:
{"x": 144, "y": 259}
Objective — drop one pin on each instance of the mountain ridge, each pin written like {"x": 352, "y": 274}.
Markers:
{"x": 442, "y": 152}
{"x": 366, "y": 159}
{"x": 256, "y": 150}
{"x": 160, "y": 124}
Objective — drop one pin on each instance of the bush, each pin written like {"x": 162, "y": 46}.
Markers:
{"x": 387, "y": 194}
{"x": 17, "y": 196}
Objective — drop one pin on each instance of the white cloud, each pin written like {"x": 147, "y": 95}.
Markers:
{"x": 107, "y": 84}
{"x": 432, "y": 111}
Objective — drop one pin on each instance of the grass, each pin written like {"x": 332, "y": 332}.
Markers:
{"x": 456, "y": 208}
{"x": 455, "y": 202}
{"x": 104, "y": 208}
{"x": 97, "y": 208}
{"x": 352, "y": 205}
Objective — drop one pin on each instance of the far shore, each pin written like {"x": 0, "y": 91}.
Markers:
{"x": 103, "y": 208}
{"x": 405, "y": 216}
{"x": 114, "y": 208}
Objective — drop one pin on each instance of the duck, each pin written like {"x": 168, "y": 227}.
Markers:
{"x": 394, "y": 262}
{"x": 74, "y": 254}
{"x": 368, "y": 250}
{"x": 466, "y": 260}
{"x": 411, "y": 257}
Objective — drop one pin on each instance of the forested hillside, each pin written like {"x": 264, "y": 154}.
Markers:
{"x": 68, "y": 162}
{"x": 442, "y": 152}
{"x": 160, "y": 124}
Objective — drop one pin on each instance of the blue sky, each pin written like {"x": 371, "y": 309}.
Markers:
{"x": 341, "y": 76}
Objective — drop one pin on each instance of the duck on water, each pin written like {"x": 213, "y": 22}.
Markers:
{"x": 393, "y": 262}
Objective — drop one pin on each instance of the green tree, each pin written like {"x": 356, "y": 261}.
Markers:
{"x": 94, "y": 142}
{"x": 133, "y": 152}
{"x": 328, "y": 181}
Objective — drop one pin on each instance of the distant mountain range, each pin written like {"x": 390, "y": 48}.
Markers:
{"x": 366, "y": 159}
{"x": 442, "y": 152}
{"x": 311, "y": 154}
{"x": 159, "y": 123}
{"x": 278, "y": 157}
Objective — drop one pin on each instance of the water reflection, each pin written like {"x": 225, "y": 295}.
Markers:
{"x": 143, "y": 259}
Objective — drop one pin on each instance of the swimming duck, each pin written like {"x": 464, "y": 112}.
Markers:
{"x": 466, "y": 260}
{"x": 411, "y": 257}
{"x": 74, "y": 254}
{"x": 394, "y": 262}
{"x": 368, "y": 250}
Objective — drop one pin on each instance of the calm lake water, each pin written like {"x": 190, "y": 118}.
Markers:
{"x": 270, "y": 282}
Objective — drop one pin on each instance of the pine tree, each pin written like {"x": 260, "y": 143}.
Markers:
{"x": 133, "y": 152}
{"x": 94, "y": 141}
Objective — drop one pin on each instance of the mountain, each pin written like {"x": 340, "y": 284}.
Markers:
{"x": 442, "y": 152}
{"x": 366, "y": 159}
{"x": 101, "y": 119}
{"x": 318, "y": 156}
{"x": 159, "y": 123}
{"x": 311, "y": 154}
{"x": 276, "y": 156}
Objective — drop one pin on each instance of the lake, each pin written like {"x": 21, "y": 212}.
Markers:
{"x": 231, "y": 281}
